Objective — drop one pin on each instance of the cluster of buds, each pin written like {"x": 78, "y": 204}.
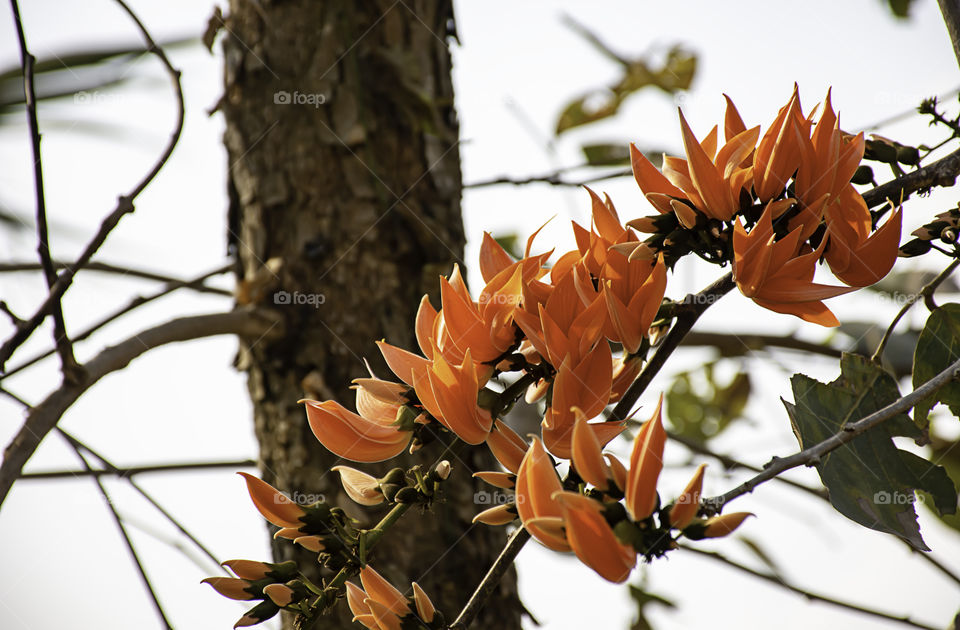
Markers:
{"x": 378, "y": 605}
{"x": 605, "y": 512}
{"x": 945, "y": 228}
{"x": 397, "y": 486}
{"x": 274, "y": 584}
{"x": 774, "y": 205}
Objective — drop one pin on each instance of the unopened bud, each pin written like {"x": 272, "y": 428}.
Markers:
{"x": 443, "y": 469}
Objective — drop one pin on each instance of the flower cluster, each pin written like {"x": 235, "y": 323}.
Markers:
{"x": 787, "y": 199}
{"x": 584, "y": 512}
{"x": 575, "y": 335}
{"x": 554, "y": 326}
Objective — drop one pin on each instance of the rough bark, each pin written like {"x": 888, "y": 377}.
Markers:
{"x": 358, "y": 200}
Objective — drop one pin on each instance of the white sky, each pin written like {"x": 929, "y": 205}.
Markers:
{"x": 63, "y": 564}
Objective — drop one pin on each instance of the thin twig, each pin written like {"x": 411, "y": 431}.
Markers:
{"x": 550, "y": 178}
{"x": 927, "y": 290}
{"x": 195, "y": 284}
{"x": 734, "y": 344}
{"x": 135, "y": 470}
{"x": 123, "y": 533}
{"x": 111, "y": 469}
{"x": 688, "y": 313}
{"x": 13, "y": 267}
{"x": 44, "y": 417}
{"x": 489, "y": 582}
{"x": 124, "y": 206}
{"x": 68, "y": 362}
{"x": 731, "y": 464}
{"x": 778, "y": 581}
{"x": 848, "y": 432}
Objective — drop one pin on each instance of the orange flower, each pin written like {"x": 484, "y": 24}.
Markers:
{"x": 508, "y": 447}
{"x": 780, "y": 152}
{"x": 585, "y": 385}
{"x": 686, "y": 506}
{"x": 449, "y": 393}
{"x": 633, "y": 296}
{"x": 709, "y": 180}
{"x": 855, "y": 256}
{"x": 776, "y": 274}
{"x": 537, "y": 481}
{"x": 646, "y": 462}
{"x": 275, "y": 506}
{"x": 565, "y": 325}
{"x": 352, "y": 436}
{"x": 592, "y": 539}
{"x": 586, "y": 454}
{"x": 485, "y": 327}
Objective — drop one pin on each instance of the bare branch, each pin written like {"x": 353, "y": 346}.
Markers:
{"x": 778, "y": 581}
{"x": 124, "y": 206}
{"x": 123, "y": 533}
{"x": 136, "y": 470}
{"x": 489, "y": 582}
{"x": 196, "y": 284}
{"x": 808, "y": 457}
{"x": 68, "y": 363}
{"x": 550, "y": 178}
{"x": 44, "y": 417}
{"x": 733, "y": 345}
{"x": 13, "y": 267}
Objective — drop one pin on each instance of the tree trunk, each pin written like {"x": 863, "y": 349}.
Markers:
{"x": 344, "y": 174}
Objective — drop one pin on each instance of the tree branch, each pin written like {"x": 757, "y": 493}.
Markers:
{"x": 734, "y": 345}
{"x": 135, "y": 470}
{"x": 124, "y": 207}
{"x": 943, "y": 172}
{"x": 13, "y": 267}
{"x": 950, "y": 9}
{"x": 68, "y": 363}
{"x": 489, "y": 582}
{"x": 123, "y": 534}
{"x": 688, "y": 312}
{"x": 196, "y": 284}
{"x": 812, "y": 455}
{"x": 44, "y": 417}
{"x": 778, "y": 581}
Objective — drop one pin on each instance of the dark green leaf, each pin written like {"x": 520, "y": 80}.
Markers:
{"x": 870, "y": 480}
{"x": 900, "y": 8}
{"x": 937, "y": 348}
{"x": 613, "y": 154}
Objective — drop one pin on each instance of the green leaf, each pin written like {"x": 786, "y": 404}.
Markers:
{"x": 606, "y": 154}
{"x": 900, "y": 8}
{"x": 937, "y": 348}
{"x": 870, "y": 480}
{"x": 700, "y": 407}
{"x": 673, "y": 75}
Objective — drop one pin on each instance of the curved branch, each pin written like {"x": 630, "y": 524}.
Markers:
{"x": 734, "y": 345}
{"x": 124, "y": 207}
{"x": 504, "y": 561}
{"x": 44, "y": 417}
{"x": 812, "y": 455}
